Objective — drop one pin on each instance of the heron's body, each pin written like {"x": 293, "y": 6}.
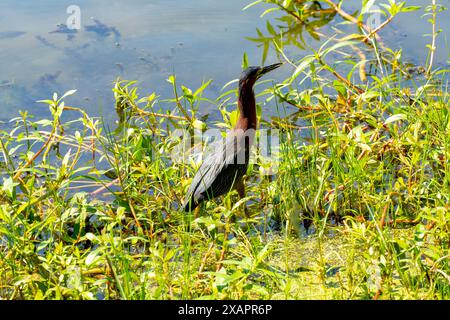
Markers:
{"x": 224, "y": 169}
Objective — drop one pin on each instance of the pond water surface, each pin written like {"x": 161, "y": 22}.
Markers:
{"x": 147, "y": 40}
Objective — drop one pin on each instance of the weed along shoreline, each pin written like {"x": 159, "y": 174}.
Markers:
{"x": 326, "y": 179}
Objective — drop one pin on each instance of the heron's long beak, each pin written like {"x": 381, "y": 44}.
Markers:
{"x": 267, "y": 69}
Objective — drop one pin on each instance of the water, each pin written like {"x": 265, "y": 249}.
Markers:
{"x": 148, "y": 41}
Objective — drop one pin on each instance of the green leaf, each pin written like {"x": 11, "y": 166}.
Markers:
{"x": 171, "y": 79}
{"x": 68, "y": 93}
{"x": 268, "y": 11}
{"x": 187, "y": 92}
{"x": 8, "y": 186}
{"x": 92, "y": 258}
{"x": 230, "y": 83}
{"x": 200, "y": 125}
{"x": 306, "y": 61}
{"x": 411, "y": 8}
{"x": 44, "y": 122}
{"x": 252, "y": 4}
{"x": 202, "y": 88}
{"x": 395, "y": 117}
{"x": 244, "y": 61}
{"x": 336, "y": 46}
{"x": 340, "y": 88}
{"x": 270, "y": 28}
{"x": 234, "y": 117}
{"x": 367, "y": 6}
{"x": 50, "y": 102}
{"x": 66, "y": 158}
{"x": 265, "y": 51}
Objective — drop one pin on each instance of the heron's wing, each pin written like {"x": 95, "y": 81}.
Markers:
{"x": 217, "y": 173}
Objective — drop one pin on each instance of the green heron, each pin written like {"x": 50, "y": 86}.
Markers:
{"x": 223, "y": 170}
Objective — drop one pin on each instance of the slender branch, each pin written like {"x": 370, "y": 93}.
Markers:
{"x": 290, "y": 12}
{"x": 225, "y": 244}
{"x": 105, "y": 187}
{"x": 351, "y": 18}
{"x": 433, "y": 41}
{"x": 37, "y": 154}
{"x": 341, "y": 78}
{"x": 384, "y": 214}
{"x": 346, "y": 16}
{"x": 161, "y": 115}
{"x": 180, "y": 107}
{"x": 298, "y": 106}
{"x": 375, "y": 31}
{"x": 205, "y": 257}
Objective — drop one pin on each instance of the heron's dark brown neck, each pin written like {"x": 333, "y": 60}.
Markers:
{"x": 247, "y": 109}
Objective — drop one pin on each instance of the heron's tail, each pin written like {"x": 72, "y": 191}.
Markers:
{"x": 189, "y": 205}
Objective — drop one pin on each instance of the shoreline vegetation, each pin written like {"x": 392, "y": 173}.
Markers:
{"x": 358, "y": 207}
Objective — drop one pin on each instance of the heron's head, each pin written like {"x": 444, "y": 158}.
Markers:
{"x": 250, "y": 75}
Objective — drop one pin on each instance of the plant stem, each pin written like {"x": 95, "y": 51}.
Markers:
{"x": 433, "y": 35}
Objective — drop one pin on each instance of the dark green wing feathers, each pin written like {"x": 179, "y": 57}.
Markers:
{"x": 218, "y": 173}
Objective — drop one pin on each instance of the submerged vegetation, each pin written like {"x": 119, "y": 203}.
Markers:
{"x": 358, "y": 207}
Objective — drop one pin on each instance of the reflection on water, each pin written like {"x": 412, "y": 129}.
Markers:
{"x": 11, "y": 34}
{"x": 148, "y": 40}
{"x": 144, "y": 40}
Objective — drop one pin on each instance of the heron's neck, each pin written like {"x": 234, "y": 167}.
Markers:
{"x": 247, "y": 109}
